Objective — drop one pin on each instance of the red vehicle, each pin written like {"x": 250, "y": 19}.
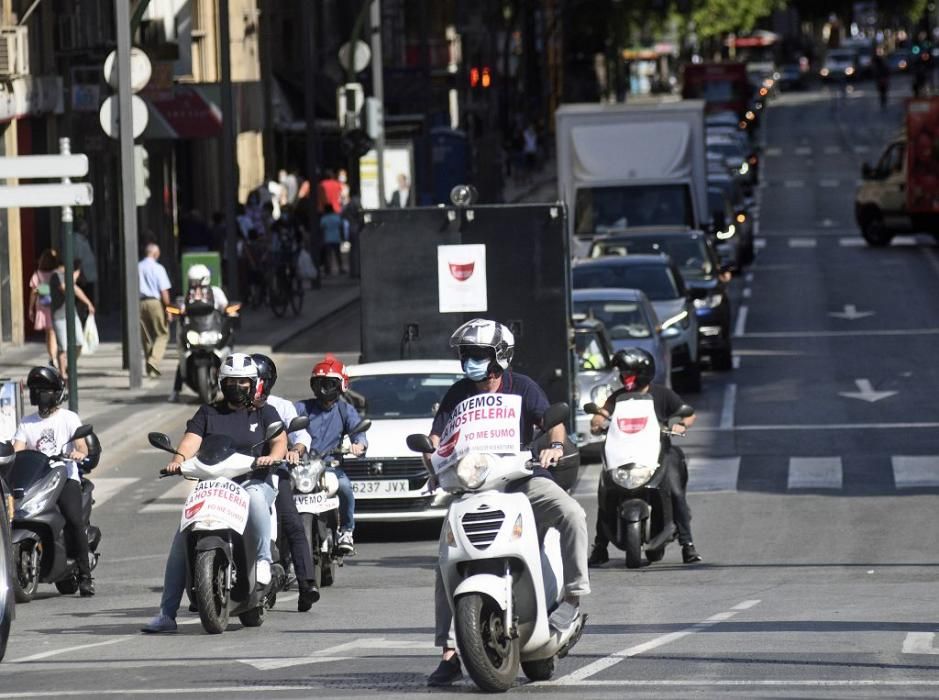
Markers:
{"x": 723, "y": 86}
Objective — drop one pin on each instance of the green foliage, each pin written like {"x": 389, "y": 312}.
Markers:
{"x": 714, "y": 18}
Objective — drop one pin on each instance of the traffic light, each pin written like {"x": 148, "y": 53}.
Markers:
{"x": 141, "y": 175}
{"x": 480, "y": 77}
{"x": 356, "y": 143}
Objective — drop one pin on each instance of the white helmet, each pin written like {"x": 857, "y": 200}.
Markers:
{"x": 481, "y": 332}
{"x": 199, "y": 276}
{"x": 239, "y": 365}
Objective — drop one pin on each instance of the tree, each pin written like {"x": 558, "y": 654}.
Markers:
{"x": 714, "y": 18}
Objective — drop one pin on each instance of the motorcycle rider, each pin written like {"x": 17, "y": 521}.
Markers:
{"x": 200, "y": 289}
{"x": 237, "y": 417}
{"x": 637, "y": 368}
{"x": 485, "y": 349}
{"x": 47, "y": 431}
{"x": 288, "y": 517}
{"x": 331, "y": 419}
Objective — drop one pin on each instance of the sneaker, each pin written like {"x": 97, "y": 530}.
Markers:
{"x": 152, "y": 370}
{"x": 447, "y": 673}
{"x": 159, "y": 624}
{"x": 309, "y": 595}
{"x": 346, "y": 545}
{"x": 86, "y": 586}
{"x": 689, "y": 554}
{"x": 564, "y": 616}
{"x": 598, "y": 557}
{"x": 262, "y": 572}
{"x": 173, "y": 397}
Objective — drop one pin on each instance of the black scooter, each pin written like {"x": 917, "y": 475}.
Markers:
{"x": 206, "y": 338}
{"x": 39, "y": 550}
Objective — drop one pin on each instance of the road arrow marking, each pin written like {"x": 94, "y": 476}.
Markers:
{"x": 919, "y": 643}
{"x": 336, "y": 653}
{"x": 865, "y": 392}
{"x": 850, "y": 313}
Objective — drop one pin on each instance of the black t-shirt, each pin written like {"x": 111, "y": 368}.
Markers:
{"x": 245, "y": 427}
{"x": 666, "y": 401}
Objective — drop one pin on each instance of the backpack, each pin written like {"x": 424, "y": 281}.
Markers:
{"x": 56, "y": 293}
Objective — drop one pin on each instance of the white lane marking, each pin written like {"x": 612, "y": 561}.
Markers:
{"x": 932, "y": 259}
{"x": 915, "y": 472}
{"x": 832, "y": 150}
{"x": 793, "y": 184}
{"x": 107, "y": 487}
{"x": 854, "y": 242}
{"x": 56, "y": 652}
{"x": 803, "y": 151}
{"x": 748, "y": 278}
{"x": 866, "y": 392}
{"x": 759, "y": 243}
{"x": 746, "y": 605}
{"x": 815, "y": 473}
{"x": 774, "y": 151}
{"x": 740, "y": 326}
{"x": 830, "y": 426}
{"x": 736, "y": 361}
{"x": 171, "y": 500}
{"x": 713, "y": 473}
{"x": 802, "y": 243}
{"x": 905, "y": 240}
{"x": 844, "y": 334}
{"x": 829, "y": 183}
{"x": 330, "y": 654}
{"x": 861, "y": 149}
{"x": 603, "y": 664}
{"x": 919, "y": 643}
{"x": 756, "y": 683}
{"x": 747, "y": 292}
{"x": 729, "y": 407}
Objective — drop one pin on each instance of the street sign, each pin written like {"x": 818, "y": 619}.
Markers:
{"x": 109, "y": 113}
{"x": 75, "y": 194}
{"x": 23, "y": 167}
{"x": 140, "y": 69}
{"x": 358, "y": 56}
{"x": 349, "y": 101}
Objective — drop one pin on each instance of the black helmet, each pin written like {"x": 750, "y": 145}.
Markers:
{"x": 46, "y": 388}
{"x": 267, "y": 375}
{"x": 636, "y": 368}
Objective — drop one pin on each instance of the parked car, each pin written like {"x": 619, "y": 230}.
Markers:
{"x": 700, "y": 266}
{"x": 733, "y": 221}
{"x": 736, "y": 157}
{"x": 791, "y": 77}
{"x": 400, "y": 398}
{"x": 661, "y": 281}
{"x": 596, "y": 376}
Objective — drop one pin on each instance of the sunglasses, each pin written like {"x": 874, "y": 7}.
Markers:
{"x": 473, "y": 352}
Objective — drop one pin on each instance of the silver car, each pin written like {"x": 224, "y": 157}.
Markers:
{"x": 596, "y": 377}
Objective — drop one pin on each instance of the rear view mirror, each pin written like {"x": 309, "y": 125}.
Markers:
{"x": 7, "y": 453}
{"x": 362, "y": 427}
{"x": 298, "y": 423}
{"x": 420, "y": 443}
{"x": 555, "y": 415}
{"x": 273, "y": 430}
{"x": 82, "y": 431}
{"x": 591, "y": 408}
{"x": 684, "y": 411}
{"x": 161, "y": 442}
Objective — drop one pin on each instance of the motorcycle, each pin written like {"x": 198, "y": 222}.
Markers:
{"x": 314, "y": 493}
{"x": 220, "y": 549}
{"x": 206, "y": 338}
{"x": 39, "y": 550}
{"x": 638, "y": 511}
{"x": 7, "y": 600}
{"x": 502, "y": 577}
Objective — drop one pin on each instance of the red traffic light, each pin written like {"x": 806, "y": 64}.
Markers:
{"x": 474, "y": 77}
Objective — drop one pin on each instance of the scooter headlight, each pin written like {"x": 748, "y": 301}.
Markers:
{"x": 305, "y": 476}
{"x": 37, "y": 498}
{"x": 472, "y": 470}
{"x": 203, "y": 338}
{"x": 631, "y": 478}
{"x": 329, "y": 483}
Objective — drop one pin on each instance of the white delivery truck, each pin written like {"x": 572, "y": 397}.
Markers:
{"x": 620, "y": 166}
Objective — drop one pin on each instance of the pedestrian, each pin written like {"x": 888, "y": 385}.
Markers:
{"x": 881, "y": 73}
{"x": 59, "y": 317}
{"x": 530, "y": 148}
{"x": 330, "y": 192}
{"x": 154, "y": 298}
{"x": 40, "y": 300}
{"x": 401, "y": 197}
{"x": 89, "y": 275}
{"x": 335, "y": 230}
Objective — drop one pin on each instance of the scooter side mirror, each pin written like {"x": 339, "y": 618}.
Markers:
{"x": 273, "y": 430}
{"x": 82, "y": 431}
{"x": 298, "y": 423}
{"x": 161, "y": 442}
{"x": 591, "y": 408}
{"x": 555, "y": 415}
{"x": 420, "y": 443}
{"x": 684, "y": 411}
{"x": 362, "y": 427}
{"x": 7, "y": 453}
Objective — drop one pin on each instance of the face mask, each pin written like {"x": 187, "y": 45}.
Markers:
{"x": 343, "y": 178}
{"x": 44, "y": 401}
{"x": 476, "y": 370}
{"x": 236, "y": 395}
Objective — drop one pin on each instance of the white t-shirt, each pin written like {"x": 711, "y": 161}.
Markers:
{"x": 287, "y": 412}
{"x": 50, "y": 435}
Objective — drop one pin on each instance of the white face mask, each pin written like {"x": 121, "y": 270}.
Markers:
{"x": 342, "y": 179}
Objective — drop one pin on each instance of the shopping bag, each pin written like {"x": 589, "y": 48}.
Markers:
{"x": 306, "y": 270}
{"x": 91, "y": 335}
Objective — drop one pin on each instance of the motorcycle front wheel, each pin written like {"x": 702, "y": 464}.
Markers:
{"x": 204, "y": 385}
{"x": 7, "y": 604}
{"x": 633, "y": 545}
{"x": 211, "y": 596}
{"x": 25, "y": 571}
{"x": 490, "y": 655}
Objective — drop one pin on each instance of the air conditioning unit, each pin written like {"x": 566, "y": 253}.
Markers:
{"x": 14, "y": 52}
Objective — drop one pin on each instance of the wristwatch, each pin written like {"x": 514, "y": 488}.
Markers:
{"x": 557, "y": 446}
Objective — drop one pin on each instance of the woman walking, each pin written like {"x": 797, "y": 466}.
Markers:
{"x": 40, "y": 300}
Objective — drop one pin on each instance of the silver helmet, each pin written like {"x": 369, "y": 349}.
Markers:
{"x": 481, "y": 332}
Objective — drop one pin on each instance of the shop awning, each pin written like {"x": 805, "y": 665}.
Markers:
{"x": 194, "y": 111}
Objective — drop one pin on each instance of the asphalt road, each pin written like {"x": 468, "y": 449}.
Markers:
{"x": 814, "y": 509}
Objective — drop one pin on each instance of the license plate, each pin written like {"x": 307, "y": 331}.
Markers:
{"x": 315, "y": 502}
{"x": 392, "y": 488}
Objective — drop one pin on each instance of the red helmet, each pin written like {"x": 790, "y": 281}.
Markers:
{"x": 329, "y": 378}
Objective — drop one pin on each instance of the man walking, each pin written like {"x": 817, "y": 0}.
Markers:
{"x": 154, "y": 298}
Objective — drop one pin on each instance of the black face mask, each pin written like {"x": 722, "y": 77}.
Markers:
{"x": 46, "y": 401}
{"x": 326, "y": 389}
{"x": 235, "y": 394}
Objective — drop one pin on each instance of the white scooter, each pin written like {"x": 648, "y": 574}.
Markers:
{"x": 503, "y": 581}
{"x": 220, "y": 550}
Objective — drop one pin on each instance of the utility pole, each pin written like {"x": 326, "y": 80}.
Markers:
{"x": 132, "y": 342}
{"x": 68, "y": 251}
{"x": 378, "y": 89}
{"x": 308, "y": 23}
{"x": 229, "y": 167}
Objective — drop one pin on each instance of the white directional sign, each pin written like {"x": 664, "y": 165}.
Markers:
{"x": 140, "y": 69}
{"x": 25, "y": 167}
{"x": 850, "y": 313}
{"x": 865, "y": 392}
{"x": 76, "y": 194}
{"x": 109, "y": 116}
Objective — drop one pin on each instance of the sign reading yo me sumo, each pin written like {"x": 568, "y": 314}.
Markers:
{"x": 219, "y": 500}
{"x": 461, "y": 275}
{"x": 482, "y": 423}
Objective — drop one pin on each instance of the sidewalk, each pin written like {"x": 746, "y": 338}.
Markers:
{"x": 541, "y": 187}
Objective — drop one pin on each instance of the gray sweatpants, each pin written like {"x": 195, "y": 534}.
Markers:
{"x": 553, "y": 507}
